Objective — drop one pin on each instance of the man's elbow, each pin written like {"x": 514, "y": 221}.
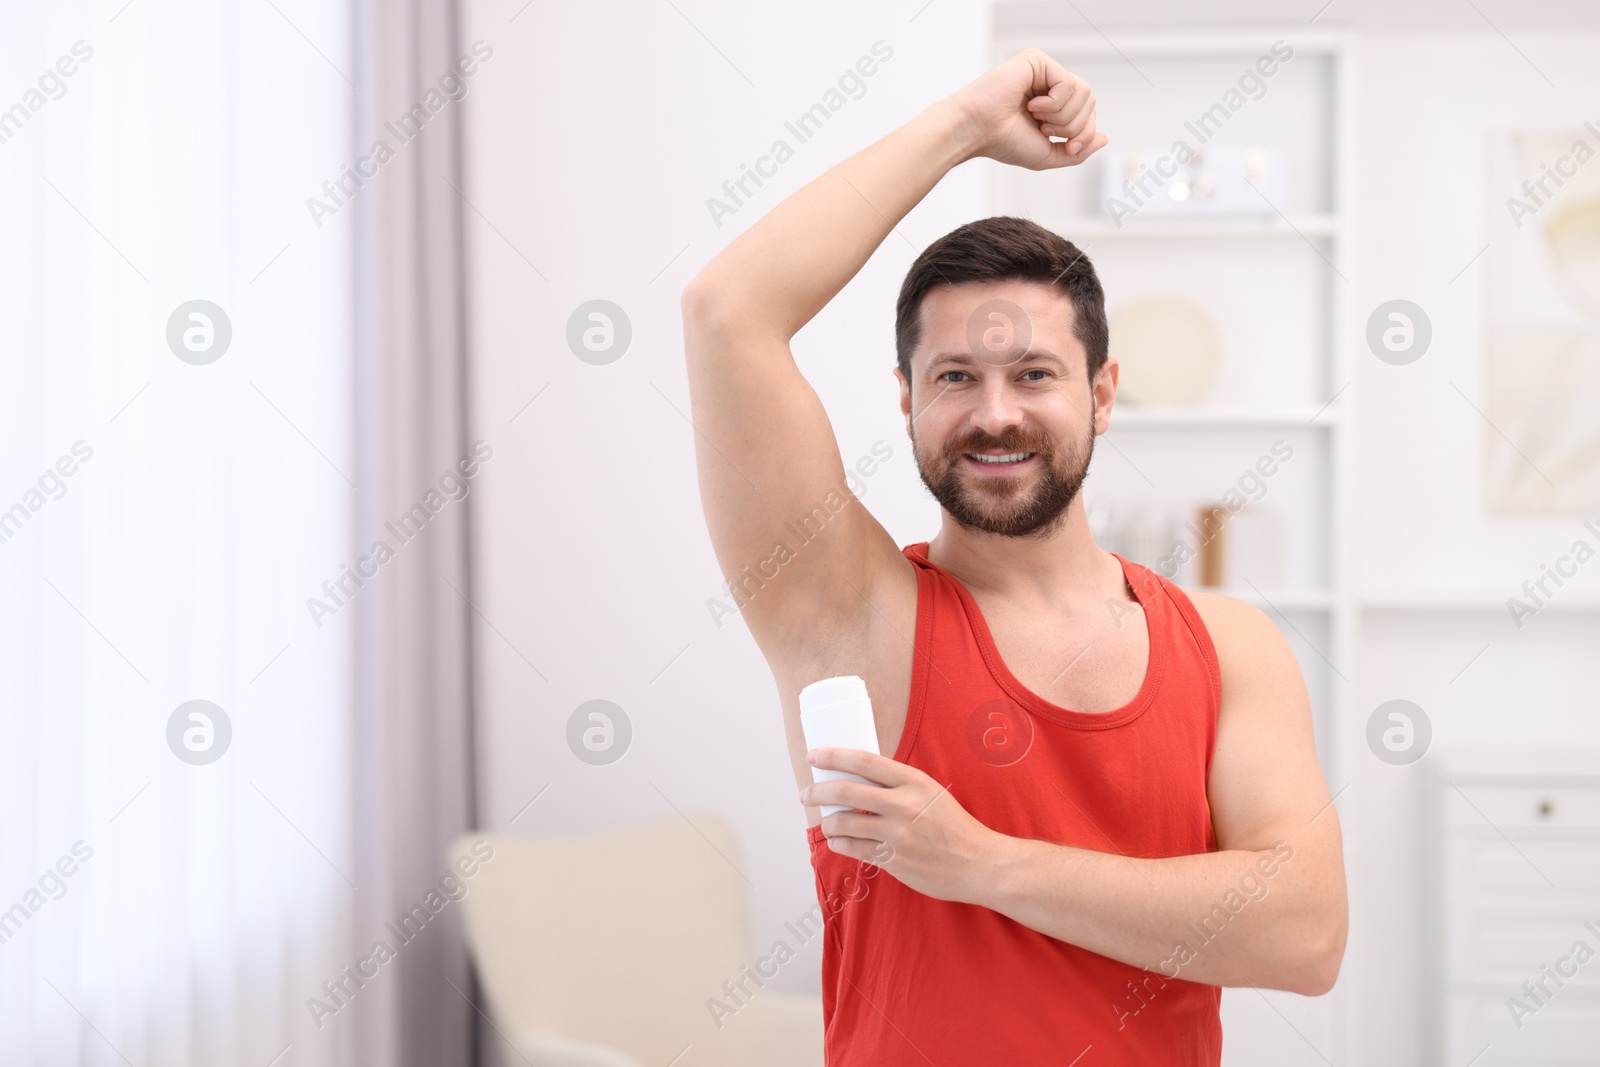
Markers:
{"x": 715, "y": 318}
{"x": 697, "y": 302}
{"x": 1319, "y": 969}
{"x": 713, "y": 296}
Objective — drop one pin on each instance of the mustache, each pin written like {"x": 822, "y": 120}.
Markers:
{"x": 1010, "y": 441}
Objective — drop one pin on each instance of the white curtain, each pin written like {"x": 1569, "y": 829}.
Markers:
{"x": 416, "y": 462}
{"x": 163, "y": 521}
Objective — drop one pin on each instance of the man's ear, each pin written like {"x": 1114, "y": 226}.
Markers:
{"x": 1103, "y": 393}
{"x": 905, "y": 397}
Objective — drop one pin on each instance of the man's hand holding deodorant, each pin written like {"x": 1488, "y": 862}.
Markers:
{"x": 883, "y": 812}
{"x": 836, "y": 713}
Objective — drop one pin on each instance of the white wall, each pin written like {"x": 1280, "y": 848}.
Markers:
{"x": 1426, "y": 109}
{"x": 596, "y": 134}
{"x": 1422, "y": 533}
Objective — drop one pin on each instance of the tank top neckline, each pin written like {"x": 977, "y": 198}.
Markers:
{"x": 1143, "y": 591}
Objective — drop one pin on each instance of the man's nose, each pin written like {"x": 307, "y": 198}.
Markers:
{"x": 998, "y": 406}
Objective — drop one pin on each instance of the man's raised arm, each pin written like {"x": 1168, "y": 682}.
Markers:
{"x": 765, "y": 450}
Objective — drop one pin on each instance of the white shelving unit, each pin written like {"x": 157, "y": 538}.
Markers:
{"x": 1279, "y": 288}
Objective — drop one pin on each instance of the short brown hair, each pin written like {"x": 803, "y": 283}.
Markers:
{"x": 1003, "y": 248}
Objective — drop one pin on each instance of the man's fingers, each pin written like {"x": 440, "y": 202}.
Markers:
{"x": 1065, "y": 103}
{"x": 1082, "y": 118}
{"x": 1083, "y": 136}
{"x": 1078, "y": 147}
{"x": 850, "y": 824}
{"x": 1087, "y": 142}
{"x": 856, "y": 848}
{"x": 1081, "y": 123}
{"x": 873, "y": 798}
{"x": 1094, "y": 145}
{"x": 1062, "y": 154}
{"x": 869, "y": 765}
{"x": 1085, "y": 149}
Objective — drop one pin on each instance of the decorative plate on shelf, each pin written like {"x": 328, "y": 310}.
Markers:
{"x": 1168, "y": 348}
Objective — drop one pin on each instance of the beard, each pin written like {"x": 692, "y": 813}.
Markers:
{"x": 1006, "y": 505}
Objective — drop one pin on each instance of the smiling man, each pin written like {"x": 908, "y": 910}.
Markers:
{"x": 1103, "y": 801}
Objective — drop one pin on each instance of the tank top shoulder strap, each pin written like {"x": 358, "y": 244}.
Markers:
{"x": 1184, "y": 622}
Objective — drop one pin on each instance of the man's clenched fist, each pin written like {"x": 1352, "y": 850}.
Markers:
{"x": 1010, "y": 114}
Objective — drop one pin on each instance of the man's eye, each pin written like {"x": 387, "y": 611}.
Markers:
{"x": 947, "y": 374}
{"x": 1045, "y": 373}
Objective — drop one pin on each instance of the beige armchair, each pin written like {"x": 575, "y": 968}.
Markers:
{"x": 606, "y": 951}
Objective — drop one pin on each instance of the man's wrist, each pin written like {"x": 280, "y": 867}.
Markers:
{"x": 991, "y": 879}
{"x": 1006, "y": 880}
{"x": 962, "y": 136}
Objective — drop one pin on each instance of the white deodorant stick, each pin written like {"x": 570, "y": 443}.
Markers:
{"x": 835, "y": 713}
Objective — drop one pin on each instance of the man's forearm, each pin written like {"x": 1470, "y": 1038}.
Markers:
{"x": 796, "y": 258}
{"x": 1234, "y": 917}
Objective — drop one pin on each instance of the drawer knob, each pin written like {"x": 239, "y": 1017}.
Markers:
{"x": 1545, "y": 809}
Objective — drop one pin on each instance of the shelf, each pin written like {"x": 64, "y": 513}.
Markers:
{"x": 1302, "y": 599}
{"x": 1293, "y": 417}
{"x": 1095, "y": 228}
{"x": 1472, "y": 603}
{"x": 1280, "y": 599}
{"x": 1060, "y": 32}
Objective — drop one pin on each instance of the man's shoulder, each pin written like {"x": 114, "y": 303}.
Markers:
{"x": 1233, "y": 624}
{"x": 1214, "y": 604}
{"x": 1250, "y": 648}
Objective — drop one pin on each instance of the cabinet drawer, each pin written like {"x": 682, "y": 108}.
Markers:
{"x": 1510, "y": 808}
{"x": 1501, "y": 919}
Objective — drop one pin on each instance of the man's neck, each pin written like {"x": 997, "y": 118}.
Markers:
{"x": 1060, "y": 569}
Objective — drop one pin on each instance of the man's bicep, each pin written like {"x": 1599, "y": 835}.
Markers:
{"x": 1266, "y": 784}
{"x": 790, "y": 536}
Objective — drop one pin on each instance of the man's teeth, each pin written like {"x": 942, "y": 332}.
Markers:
{"x": 1009, "y": 457}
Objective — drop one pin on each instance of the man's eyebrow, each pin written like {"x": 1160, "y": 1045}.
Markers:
{"x": 962, "y": 359}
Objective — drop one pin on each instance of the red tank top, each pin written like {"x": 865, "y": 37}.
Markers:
{"x": 907, "y": 979}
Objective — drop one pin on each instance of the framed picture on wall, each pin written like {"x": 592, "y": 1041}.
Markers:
{"x": 1542, "y": 329}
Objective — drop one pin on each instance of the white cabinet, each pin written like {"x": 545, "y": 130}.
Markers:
{"x": 1514, "y": 948}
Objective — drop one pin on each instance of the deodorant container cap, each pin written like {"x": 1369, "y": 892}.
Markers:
{"x": 839, "y": 690}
